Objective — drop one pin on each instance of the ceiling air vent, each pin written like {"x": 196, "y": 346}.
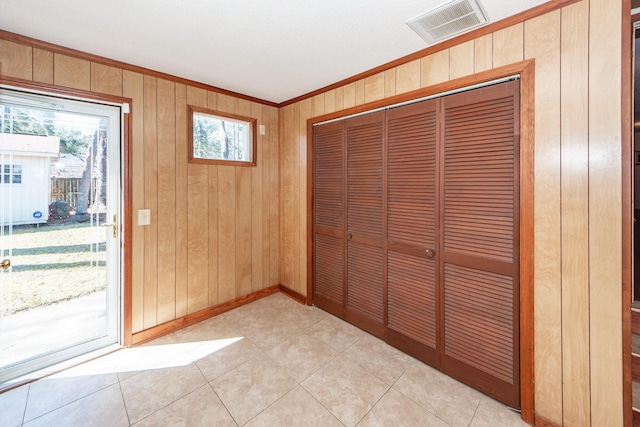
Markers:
{"x": 448, "y": 20}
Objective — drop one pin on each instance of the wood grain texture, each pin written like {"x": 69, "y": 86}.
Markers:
{"x": 243, "y": 218}
{"x": 339, "y": 98}
{"x": 257, "y": 217}
{"x": 287, "y": 233}
{"x": 483, "y": 53}
{"x": 198, "y": 223}
{"x": 330, "y": 101}
{"x": 42, "y": 66}
{"x": 226, "y": 220}
{"x": 274, "y": 198}
{"x": 360, "y": 92}
{"x": 389, "y": 82}
{"x": 265, "y": 152}
{"x": 133, "y": 88}
{"x": 508, "y": 45}
{"x": 605, "y": 211}
{"x": 150, "y": 202}
{"x": 16, "y": 60}
{"x": 212, "y": 172}
{"x": 305, "y": 114}
{"x": 542, "y": 42}
{"x": 461, "y": 60}
{"x": 373, "y": 88}
{"x": 166, "y": 201}
{"x": 182, "y": 213}
{"x": 349, "y": 99}
{"x": 408, "y": 76}
{"x": 575, "y": 215}
{"x": 71, "y": 72}
{"x": 434, "y": 68}
{"x": 105, "y": 79}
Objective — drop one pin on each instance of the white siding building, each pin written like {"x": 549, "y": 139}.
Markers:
{"x": 25, "y": 164}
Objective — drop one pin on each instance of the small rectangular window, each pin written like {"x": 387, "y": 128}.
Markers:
{"x": 221, "y": 138}
{"x": 11, "y": 174}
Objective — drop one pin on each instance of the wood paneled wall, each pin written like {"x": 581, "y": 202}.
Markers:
{"x": 578, "y": 207}
{"x": 220, "y": 232}
{"x": 214, "y": 232}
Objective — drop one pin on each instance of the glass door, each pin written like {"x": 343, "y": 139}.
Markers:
{"x": 59, "y": 230}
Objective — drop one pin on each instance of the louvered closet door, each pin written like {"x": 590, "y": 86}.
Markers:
{"x": 365, "y": 300}
{"x": 411, "y": 229}
{"x": 329, "y": 218}
{"x": 480, "y": 263}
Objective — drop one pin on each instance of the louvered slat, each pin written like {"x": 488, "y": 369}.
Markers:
{"x": 329, "y": 180}
{"x": 329, "y": 271}
{"x": 411, "y": 304}
{"x": 411, "y": 164}
{"x": 478, "y": 179}
{"x": 479, "y": 331}
{"x": 364, "y": 181}
{"x": 365, "y": 280}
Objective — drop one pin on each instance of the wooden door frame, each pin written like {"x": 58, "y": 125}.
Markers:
{"x": 526, "y": 71}
{"x": 126, "y": 196}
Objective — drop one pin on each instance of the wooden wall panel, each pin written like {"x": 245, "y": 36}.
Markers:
{"x": 42, "y": 66}
{"x": 150, "y": 201}
{"x": 330, "y": 101}
{"x": 265, "y": 153}
{"x": 197, "y": 223}
{"x": 306, "y": 113}
{"x": 507, "y": 45}
{"x": 226, "y": 220}
{"x": 408, "y": 76}
{"x": 462, "y": 60}
{"x": 605, "y": 211}
{"x": 133, "y": 87}
{"x": 288, "y": 185}
{"x": 257, "y": 217}
{"x": 349, "y": 99}
{"x": 575, "y": 214}
{"x": 373, "y": 88}
{"x": 542, "y": 42}
{"x": 243, "y": 218}
{"x": 166, "y": 201}
{"x": 71, "y": 72}
{"x": 212, "y": 172}
{"x": 182, "y": 214}
{"x": 359, "y": 92}
{"x": 483, "y": 53}
{"x": 434, "y": 68}
{"x": 105, "y": 79}
{"x": 389, "y": 82}
{"x": 274, "y": 197}
{"x": 16, "y": 60}
{"x": 339, "y": 99}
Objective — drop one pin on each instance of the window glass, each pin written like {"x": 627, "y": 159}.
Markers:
{"x": 218, "y": 137}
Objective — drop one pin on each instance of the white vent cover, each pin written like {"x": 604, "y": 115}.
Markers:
{"x": 448, "y": 20}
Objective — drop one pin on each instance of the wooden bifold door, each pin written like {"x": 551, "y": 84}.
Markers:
{"x": 416, "y": 231}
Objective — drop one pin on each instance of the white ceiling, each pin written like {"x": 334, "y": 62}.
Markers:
{"x": 269, "y": 49}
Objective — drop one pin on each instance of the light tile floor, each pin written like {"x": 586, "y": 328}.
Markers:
{"x": 273, "y": 362}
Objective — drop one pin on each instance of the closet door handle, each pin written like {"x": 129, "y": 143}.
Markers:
{"x": 349, "y": 236}
{"x": 430, "y": 253}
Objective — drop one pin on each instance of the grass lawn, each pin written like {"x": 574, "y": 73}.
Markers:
{"x": 54, "y": 263}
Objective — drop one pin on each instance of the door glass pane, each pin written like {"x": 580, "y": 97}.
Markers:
{"x": 59, "y": 196}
